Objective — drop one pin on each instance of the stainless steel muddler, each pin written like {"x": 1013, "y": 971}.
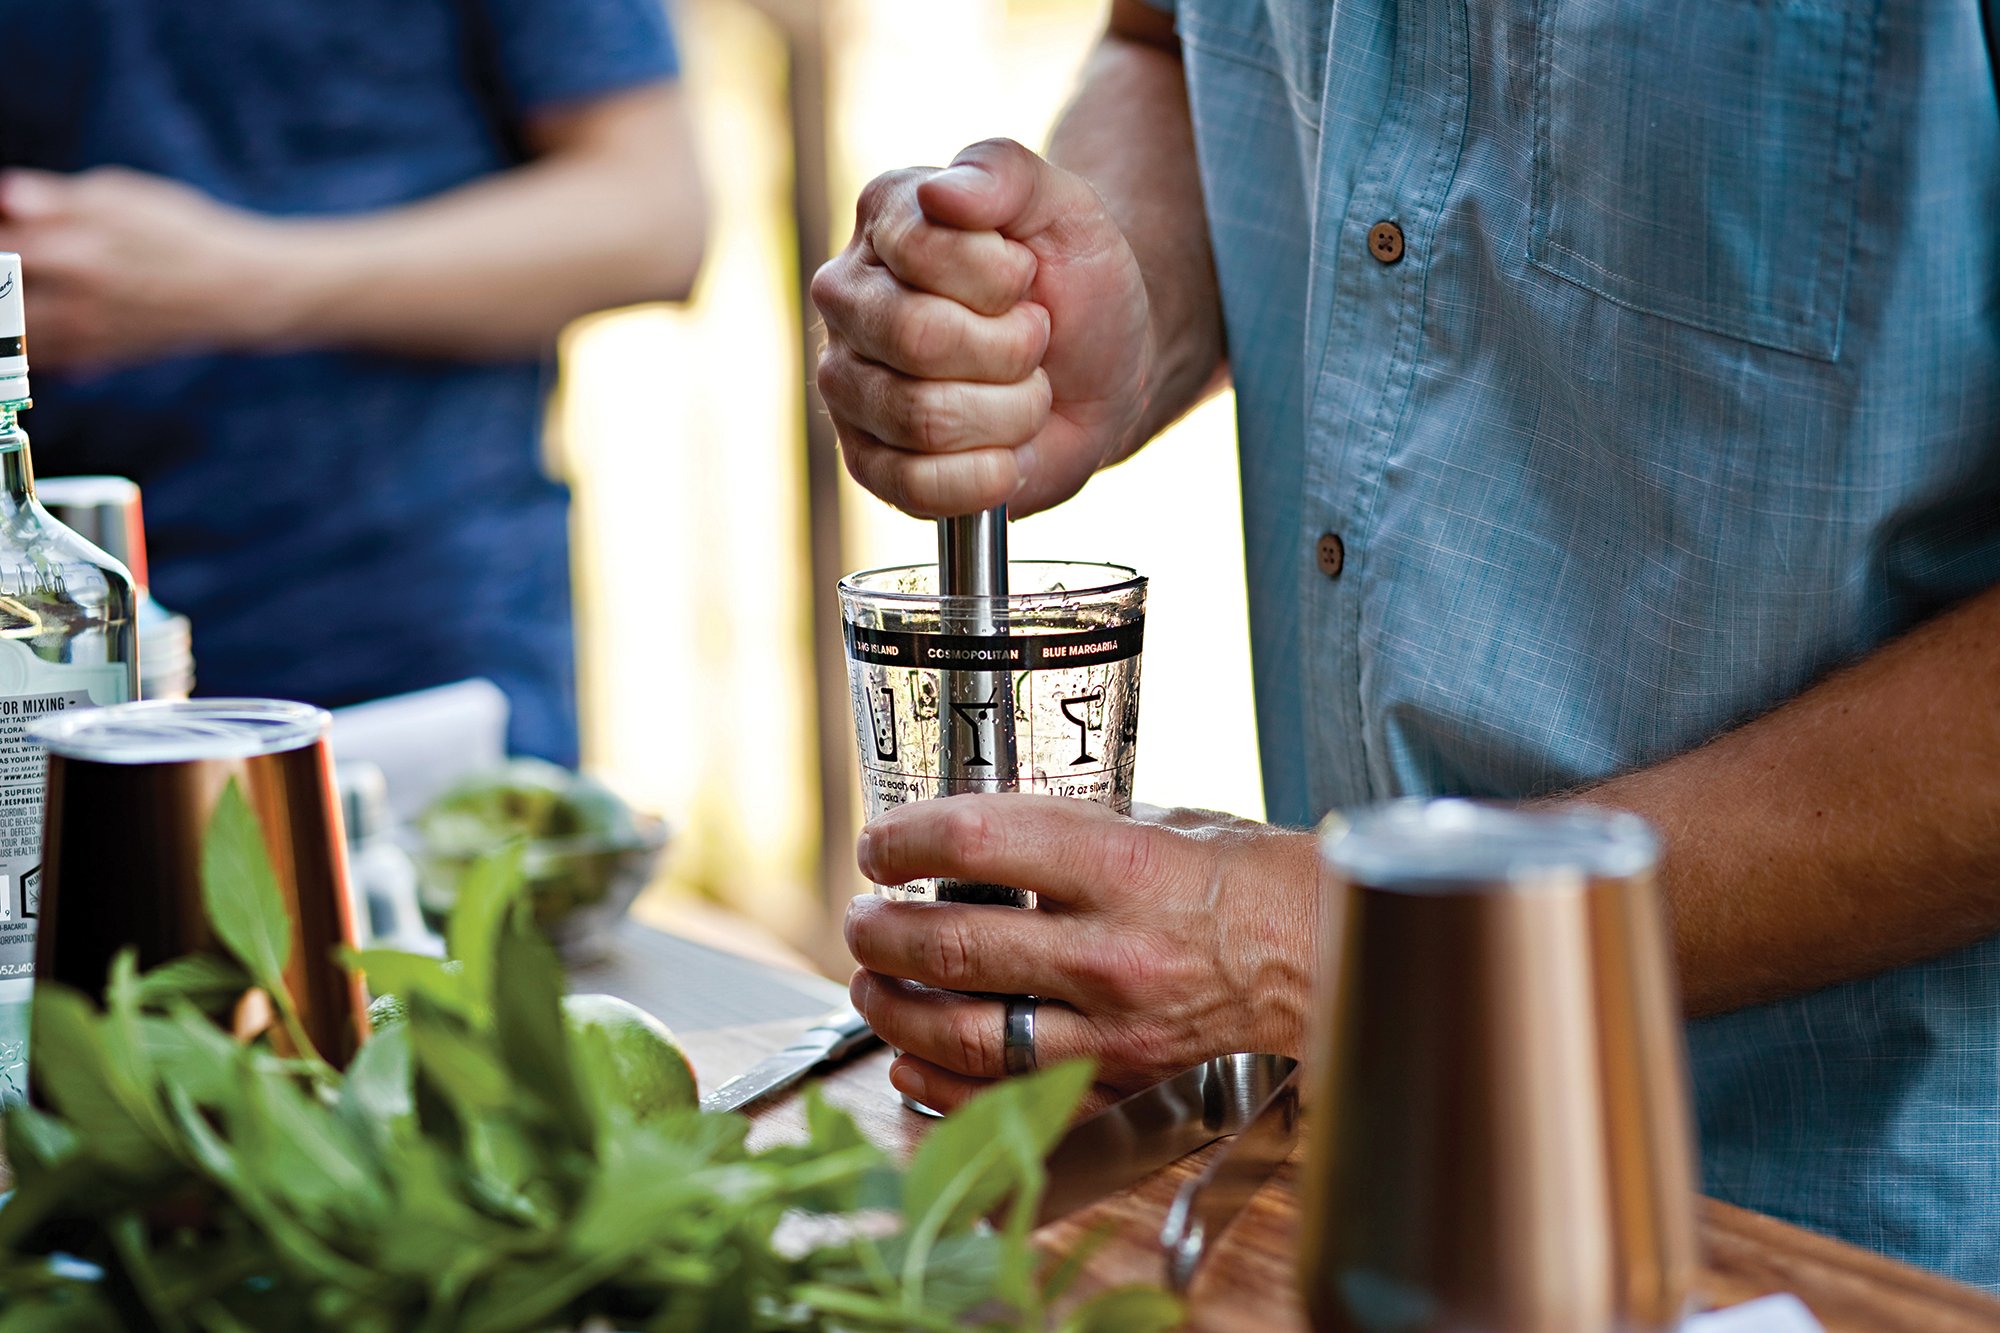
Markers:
{"x": 978, "y": 750}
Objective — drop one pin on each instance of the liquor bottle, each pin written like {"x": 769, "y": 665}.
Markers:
{"x": 107, "y": 513}
{"x": 68, "y": 639}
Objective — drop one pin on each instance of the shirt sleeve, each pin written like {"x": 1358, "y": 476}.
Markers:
{"x": 1992, "y": 15}
{"x": 547, "y": 52}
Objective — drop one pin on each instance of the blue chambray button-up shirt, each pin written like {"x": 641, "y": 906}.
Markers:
{"x": 1685, "y": 391}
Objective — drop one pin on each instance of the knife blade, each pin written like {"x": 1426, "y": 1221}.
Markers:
{"x": 1128, "y": 1141}
{"x": 830, "y": 1040}
{"x": 1206, "y": 1205}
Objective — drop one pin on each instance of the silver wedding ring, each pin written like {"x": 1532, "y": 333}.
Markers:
{"x": 1017, "y": 1035}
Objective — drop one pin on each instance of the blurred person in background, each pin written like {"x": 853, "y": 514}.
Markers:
{"x": 1618, "y": 394}
{"x": 298, "y": 269}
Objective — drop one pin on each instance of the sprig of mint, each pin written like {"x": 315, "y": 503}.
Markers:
{"x": 476, "y": 1168}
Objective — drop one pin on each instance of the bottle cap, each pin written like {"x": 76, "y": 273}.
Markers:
{"x": 13, "y": 332}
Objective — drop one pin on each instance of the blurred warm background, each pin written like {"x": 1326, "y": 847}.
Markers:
{"x": 682, "y": 431}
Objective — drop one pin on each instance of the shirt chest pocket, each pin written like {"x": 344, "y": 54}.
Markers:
{"x": 1698, "y": 159}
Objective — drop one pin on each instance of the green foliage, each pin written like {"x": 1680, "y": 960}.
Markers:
{"x": 472, "y": 1169}
{"x": 240, "y": 891}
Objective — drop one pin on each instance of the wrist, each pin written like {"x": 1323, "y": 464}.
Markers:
{"x": 1140, "y": 425}
{"x": 284, "y": 276}
{"x": 1295, "y": 923}
{"x": 1182, "y": 363}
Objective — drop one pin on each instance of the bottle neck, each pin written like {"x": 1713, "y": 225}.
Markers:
{"x": 17, "y": 469}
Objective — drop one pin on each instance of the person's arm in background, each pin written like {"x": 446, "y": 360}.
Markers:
{"x": 998, "y": 331}
{"x": 608, "y": 211}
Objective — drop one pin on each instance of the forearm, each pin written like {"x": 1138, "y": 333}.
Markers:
{"x": 1129, "y": 133}
{"x": 1855, "y": 829}
{"x": 496, "y": 267}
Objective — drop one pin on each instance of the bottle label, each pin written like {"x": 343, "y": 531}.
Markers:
{"x": 23, "y": 765}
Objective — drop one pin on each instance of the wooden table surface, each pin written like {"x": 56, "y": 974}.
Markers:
{"x": 1246, "y": 1286}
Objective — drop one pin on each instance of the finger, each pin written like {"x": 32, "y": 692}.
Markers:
{"x": 942, "y": 1090}
{"x": 929, "y": 1085}
{"x": 981, "y": 270}
{"x": 962, "y": 1033}
{"x": 965, "y": 946}
{"x": 930, "y": 416}
{"x": 888, "y": 194}
{"x": 29, "y": 195}
{"x": 931, "y": 337}
{"x": 1070, "y": 851}
{"x": 55, "y": 254}
{"x": 977, "y": 267}
{"x": 1000, "y": 186}
{"x": 934, "y": 485}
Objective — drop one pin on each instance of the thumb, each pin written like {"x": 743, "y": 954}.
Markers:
{"x": 997, "y": 185}
{"x": 27, "y": 195}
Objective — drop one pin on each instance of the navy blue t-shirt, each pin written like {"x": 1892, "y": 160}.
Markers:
{"x": 339, "y": 525}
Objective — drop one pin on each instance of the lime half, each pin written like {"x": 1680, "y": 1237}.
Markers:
{"x": 652, "y": 1071}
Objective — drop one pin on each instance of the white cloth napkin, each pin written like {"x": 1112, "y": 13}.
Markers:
{"x": 426, "y": 741}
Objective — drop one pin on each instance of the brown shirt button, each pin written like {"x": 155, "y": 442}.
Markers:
{"x": 1332, "y": 555}
{"x": 1385, "y": 242}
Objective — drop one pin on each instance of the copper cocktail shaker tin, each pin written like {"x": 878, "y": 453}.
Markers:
{"x": 131, "y": 790}
{"x": 1500, "y": 1133}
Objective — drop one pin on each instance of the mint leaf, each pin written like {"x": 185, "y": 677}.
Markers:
{"x": 476, "y": 1168}
{"x": 36, "y": 1139}
{"x": 1128, "y": 1310}
{"x": 100, "y": 1099}
{"x": 528, "y": 1024}
{"x": 133, "y": 1260}
{"x": 309, "y": 1158}
{"x": 486, "y": 892}
{"x": 193, "y": 1054}
{"x": 201, "y": 978}
{"x": 989, "y": 1150}
{"x": 460, "y": 1062}
{"x": 409, "y": 975}
{"x": 295, "y": 1247}
{"x": 965, "y": 1167}
{"x": 240, "y": 891}
{"x": 376, "y": 1096}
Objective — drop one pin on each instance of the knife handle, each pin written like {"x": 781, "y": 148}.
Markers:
{"x": 850, "y": 1033}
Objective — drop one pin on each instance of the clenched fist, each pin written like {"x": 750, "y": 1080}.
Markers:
{"x": 987, "y": 336}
